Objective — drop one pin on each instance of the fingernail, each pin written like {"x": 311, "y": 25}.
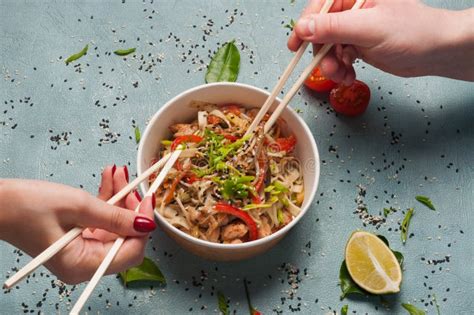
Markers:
{"x": 153, "y": 200}
{"x": 138, "y": 196}
{"x": 113, "y": 169}
{"x": 125, "y": 170}
{"x": 143, "y": 224}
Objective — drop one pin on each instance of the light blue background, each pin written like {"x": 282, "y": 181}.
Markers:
{"x": 36, "y": 34}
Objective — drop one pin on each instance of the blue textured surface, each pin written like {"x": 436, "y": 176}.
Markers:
{"x": 417, "y": 137}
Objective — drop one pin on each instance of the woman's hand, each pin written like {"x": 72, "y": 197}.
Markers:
{"x": 34, "y": 214}
{"x": 403, "y": 37}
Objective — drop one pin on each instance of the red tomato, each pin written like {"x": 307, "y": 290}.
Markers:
{"x": 318, "y": 83}
{"x": 350, "y": 100}
{"x": 286, "y": 144}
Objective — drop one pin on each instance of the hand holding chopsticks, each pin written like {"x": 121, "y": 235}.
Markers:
{"x": 299, "y": 82}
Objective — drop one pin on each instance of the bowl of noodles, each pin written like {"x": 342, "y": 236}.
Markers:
{"x": 232, "y": 194}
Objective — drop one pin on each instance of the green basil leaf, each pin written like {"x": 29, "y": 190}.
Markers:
{"x": 222, "y": 302}
{"x": 147, "y": 271}
{"x": 344, "y": 309}
{"x": 78, "y": 55}
{"x": 406, "y": 224}
{"x": 348, "y": 286}
{"x": 124, "y": 52}
{"x": 412, "y": 310}
{"x": 426, "y": 201}
{"x": 138, "y": 135}
{"x": 224, "y": 66}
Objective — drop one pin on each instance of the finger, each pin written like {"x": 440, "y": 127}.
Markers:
{"x": 98, "y": 214}
{"x": 350, "y": 76}
{"x": 347, "y": 27}
{"x": 120, "y": 180}
{"x": 332, "y": 68}
{"x": 133, "y": 200}
{"x": 132, "y": 251}
{"x": 349, "y": 55}
{"x": 294, "y": 41}
{"x": 106, "y": 188}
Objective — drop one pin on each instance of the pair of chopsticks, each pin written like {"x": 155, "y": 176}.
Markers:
{"x": 167, "y": 163}
{"x": 284, "y": 77}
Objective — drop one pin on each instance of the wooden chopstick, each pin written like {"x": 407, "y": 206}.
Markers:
{"x": 54, "y": 248}
{"x": 284, "y": 77}
{"x": 119, "y": 241}
{"x": 314, "y": 63}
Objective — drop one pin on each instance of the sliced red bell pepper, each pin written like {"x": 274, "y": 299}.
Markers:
{"x": 242, "y": 215}
{"x": 262, "y": 164}
{"x": 185, "y": 138}
{"x": 286, "y": 144}
{"x": 231, "y": 137}
{"x": 190, "y": 178}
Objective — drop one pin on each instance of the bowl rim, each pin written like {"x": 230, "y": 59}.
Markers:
{"x": 245, "y": 245}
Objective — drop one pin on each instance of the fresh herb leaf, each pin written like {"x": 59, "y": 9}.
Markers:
{"x": 222, "y": 302}
{"x": 348, "y": 286}
{"x": 290, "y": 25}
{"x": 412, "y": 310}
{"x": 138, "y": 135}
{"x": 406, "y": 224}
{"x": 436, "y": 304}
{"x": 344, "y": 309}
{"x": 224, "y": 66}
{"x": 166, "y": 142}
{"x": 252, "y": 310}
{"x": 147, "y": 271}
{"x": 78, "y": 55}
{"x": 387, "y": 211}
{"x": 426, "y": 201}
{"x": 124, "y": 52}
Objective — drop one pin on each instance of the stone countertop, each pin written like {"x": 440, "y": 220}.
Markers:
{"x": 63, "y": 123}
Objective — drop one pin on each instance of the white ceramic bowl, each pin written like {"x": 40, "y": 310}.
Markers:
{"x": 178, "y": 110}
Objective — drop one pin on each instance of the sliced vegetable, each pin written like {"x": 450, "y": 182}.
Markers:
{"x": 78, "y": 55}
{"x": 185, "y": 139}
{"x": 231, "y": 138}
{"x": 231, "y": 108}
{"x": 172, "y": 189}
{"x": 224, "y": 66}
{"x": 252, "y": 310}
{"x": 350, "y": 100}
{"x": 222, "y": 303}
{"x": 147, "y": 271}
{"x": 138, "y": 135}
{"x": 242, "y": 215}
{"x": 406, "y": 224}
{"x": 237, "y": 187}
{"x": 124, "y": 52}
{"x": 318, "y": 83}
{"x": 280, "y": 217}
{"x": 426, "y": 201}
{"x": 286, "y": 144}
{"x": 412, "y": 309}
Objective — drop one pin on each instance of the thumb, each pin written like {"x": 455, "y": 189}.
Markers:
{"x": 353, "y": 27}
{"x": 99, "y": 214}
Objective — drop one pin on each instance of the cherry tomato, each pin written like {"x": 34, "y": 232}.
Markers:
{"x": 286, "y": 144}
{"x": 350, "y": 100}
{"x": 318, "y": 83}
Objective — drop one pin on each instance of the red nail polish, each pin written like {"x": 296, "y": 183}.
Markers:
{"x": 153, "y": 200}
{"x": 113, "y": 169}
{"x": 143, "y": 224}
{"x": 125, "y": 170}
{"x": 138, "y": 196}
